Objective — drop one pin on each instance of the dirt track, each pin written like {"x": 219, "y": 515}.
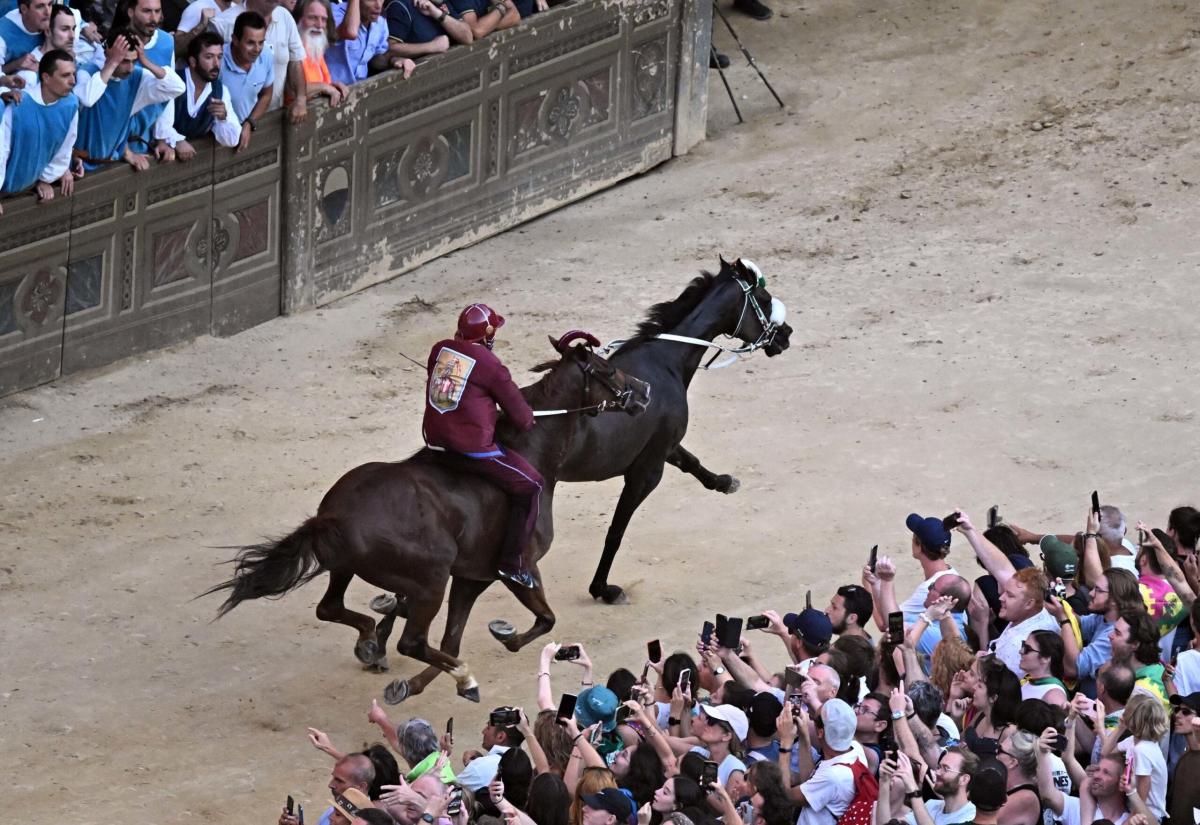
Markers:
{"x": 985, "y": 312}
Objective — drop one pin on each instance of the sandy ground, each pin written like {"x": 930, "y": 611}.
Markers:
{"x": 985, "y": 313}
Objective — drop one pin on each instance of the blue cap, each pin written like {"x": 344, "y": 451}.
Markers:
{"x": 597, "y": 704}
{"x": 812, "y": 626}
{"x": 929, "y": 530}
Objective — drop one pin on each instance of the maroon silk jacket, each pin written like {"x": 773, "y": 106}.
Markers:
{"x": 466, "y": 382}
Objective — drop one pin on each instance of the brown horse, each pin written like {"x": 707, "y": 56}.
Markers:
{"x": 409, "y": 526}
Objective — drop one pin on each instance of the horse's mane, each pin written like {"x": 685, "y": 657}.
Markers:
{"x": 667, "y": 315}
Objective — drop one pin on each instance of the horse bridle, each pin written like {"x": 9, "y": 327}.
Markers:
{"x": 621, "y": 398}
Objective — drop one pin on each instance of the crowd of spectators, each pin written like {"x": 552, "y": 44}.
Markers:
{"x": 104, "y": 83}
{"x": 1057, "y": 687}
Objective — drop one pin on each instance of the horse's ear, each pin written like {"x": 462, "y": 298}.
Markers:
{"x": 554, "y": 343}
{"x": 724, "y": 263}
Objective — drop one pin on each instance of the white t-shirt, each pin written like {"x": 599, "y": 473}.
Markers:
{"x": 1070, "y": 814}
{"x": 1007, "y": 646}
{"x": 729, "y": 765}
{"x": 830, "y": 790}
{"x": 1149, "y": 761}
{"x": 1187, "y": 672}
{"x": 916, "y": 602}
{"x": 964, "y": 814}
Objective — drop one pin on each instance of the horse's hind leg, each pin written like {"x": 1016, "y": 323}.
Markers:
{"x": 414, "y": 642}
{"x": 463, "y": 594}
{"x": 640, "y": 482}
{"x": 535, "y": 600}
{"x": 332, "y": 608}
{"x": 688, "y": 463}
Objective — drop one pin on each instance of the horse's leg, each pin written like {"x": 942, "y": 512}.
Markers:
{"x": 332, "y": 608}
{"x": 640, "y": 481}
{"x": 463, "y": 594}
{"x": 383, "y": 631}
{"x": 688, "y": 463}
{"x": 423, "y": 606}
{"x": 534, "y": 600}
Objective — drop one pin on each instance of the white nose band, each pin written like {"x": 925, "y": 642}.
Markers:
{"x": 778, "y": 311}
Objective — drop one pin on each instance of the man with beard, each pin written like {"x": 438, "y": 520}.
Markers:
{"x": 205, "y": 105}
{"x": 362, "y": 48}
{"x": 951, "y": 780}
{"x": 62, "y": 34}
{"x": 313, "y": 18}
{"x": 1100, "y": 794}
{"x": 419, "y": 27}
{"x": 282, "y": 45}
{"x": 152, "y": 125}
{"x": 38, "y": 133}
{"x": 850, "y": 609}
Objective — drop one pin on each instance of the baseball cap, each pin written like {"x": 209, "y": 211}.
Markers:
{"x": 611, "y": 800}
{"x": 350, "y": 802}
{"x": 839, "y": 723}
{"x": 597, "y": 704}
{"x": 988, "y": 789}
{"x": 1059, "y": 557}
{"x": 929, "y": 530}
{"x": 734, "y": 717}
{"x": 1191, "y": 700}
{"x": 765, "y": 708}
{"x": 812, "y": 626}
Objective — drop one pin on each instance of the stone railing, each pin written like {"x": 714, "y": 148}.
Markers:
{"x": 478, "y": 140}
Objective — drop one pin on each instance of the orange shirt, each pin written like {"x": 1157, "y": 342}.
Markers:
{"x": 316, "y": 71}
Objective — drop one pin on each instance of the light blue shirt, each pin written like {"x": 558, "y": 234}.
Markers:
{"x": 348, "y": 59}
{"x": 245, "y": 86}
{"x": 1097, "y": 648}
{"x": 933, "y": 634}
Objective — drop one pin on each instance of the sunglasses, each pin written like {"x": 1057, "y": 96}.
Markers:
{"x": 1183, "y": 710}
{"x": 1025, "y": 648}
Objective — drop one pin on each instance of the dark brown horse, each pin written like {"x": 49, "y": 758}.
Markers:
{"x": 409, "y": 526}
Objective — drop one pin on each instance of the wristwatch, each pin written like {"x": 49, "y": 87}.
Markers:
{"x": 718, "y": 671}
{"x": 897, "y": 715}
{"x": 428, "y": 817}
{"x": 250, "y": 122}
{"x": 911, "y": 795}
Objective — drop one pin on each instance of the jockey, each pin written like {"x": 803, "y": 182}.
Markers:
{"x": 466, "y": 382}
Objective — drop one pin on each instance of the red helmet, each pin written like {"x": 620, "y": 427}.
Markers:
{"x": 479, "y": 322}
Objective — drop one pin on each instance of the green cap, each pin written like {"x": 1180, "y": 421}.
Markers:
{"x": 1059, "y": 557}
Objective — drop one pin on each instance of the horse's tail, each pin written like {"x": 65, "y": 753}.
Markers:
{"x": 272, "y": 569}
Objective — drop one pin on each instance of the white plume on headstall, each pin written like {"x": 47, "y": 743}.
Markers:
{"x": 753, "y": 267}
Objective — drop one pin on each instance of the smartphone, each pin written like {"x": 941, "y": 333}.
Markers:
{"x": 1141, "y": 537}
{"x": 654, "y": 651}
{"x": 993, "y": 516}
{"x": 623, "y": 714}
{"x": 566, "y": 706}
{"x": 792, "y": 678}
{"x": 808, "y": 600}
{"x": 1096, "y": 503}
{"x": 685, "y": 680}
{"x": 874, "y": 557}
{"x": 758, "y": 623}
{"x": 504, "y": 718}
{"x": 645, "y": 680}
{"x": 567, "y": 653}
{"x": 455, "y": 803}
{"x": 719, "y": 627}
{"x": 1130, "y": 760}
{"x": 708, "y": 775}
{"x": 300, "y": 814}
{"x": 597, "y": 735}
{"x": 706, "y": 633}
{"x": 291, "y": 805}
{"x": 895, "y": 628}
{"x": 1060, "y": 743}
{"x": 951, "y": 521}
{"x": 450, "y": 729}
{"x": 731, "y": 638}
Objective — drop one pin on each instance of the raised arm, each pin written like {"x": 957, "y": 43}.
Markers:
{"x": 545, "y": 694}
{"x": 1051, "y": 796}
{"x": 989, "y": 555}
{"x": 536, "y": 755}
{"x": 1171, "y": 569}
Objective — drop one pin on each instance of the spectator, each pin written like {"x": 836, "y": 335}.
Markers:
{"x": 1022, "y": 601}
{"x": 1042, "y": 664}
{"x": 1186, "y": 775}
{"x": 761, "y": 745}
{"x": 872, "y": 722}
{"x": 1115, "y": 590}
{"x": 205, "y": 106}
{"x": 131, "y": 83}
{"x": 60, "y": 34}
{"x": 952, "y": 779}
{"x": 152, "y": 125}
{"x": 248, "y": 73}
{"x": 362, "y": 48}
{"x": 38, "y": 133}
{"x": 826, "y": 794}
{"x": 197, "y": 17}
{"x": 679, "y": 794}
{"x": 21, "y": 31}
{"x": 1146, "y": 722}
{"x": 1134, "y": 641}
{"x": 285, "y": 49}
{"x": 849, "y": 611}
{"x": 1018, "y": 753}
{"x": 994, "y": 693}
{"x": 1061, "y": 563}
{"x": 549, "y": 800}
{"x": 1165, "y": 591}
{"x": 810, "y": 632}
{"x": 1111, "y": 530}
{"x": 315, "y": 21}
{"x": 607, "y": 807}
{"x": 591, "y": 780}
{"x": 1093, "y": 720}
{"x": 988, "y": 791}
{"x": 486, "y": 16}
{"x": 420, "y": 27}
{"x": 352, "y": 774}
{"x": 497, "y": 739}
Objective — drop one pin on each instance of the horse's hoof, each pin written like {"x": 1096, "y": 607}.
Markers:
{"x": 380, "y": 665}
{"x": 384, "y": 603}
{"x": 610, "y": 594}
{"x": 397, "y": 692}
{"x": 728, "y": 485}
{"x": 501, "y": 630}
{"x": 470, "y": 694}
{"x": 367, "y": 651}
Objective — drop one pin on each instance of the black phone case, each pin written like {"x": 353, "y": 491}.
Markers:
{"x": 730, "y": 636}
